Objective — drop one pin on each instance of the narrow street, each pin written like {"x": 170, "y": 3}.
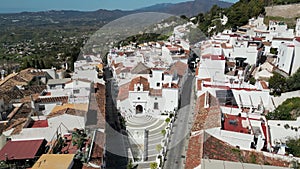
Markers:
{"x": 116, "y": 151}
{"x": 180, "y": 132}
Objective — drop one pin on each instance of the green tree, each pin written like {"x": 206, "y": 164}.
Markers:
{"x": 153, "y": 165}
{"x": 277, "y": 84}
{"x": 130, "y": 165}
{"x": 158, "y": 147}
{"x": 163, "y": 132}
{"x": 293, "y": 82}
{"x": 167, "y": 120}
{"x": 252, "y": 80}
{"x": 288, "y": 110}
{"x": 294, "y": 146}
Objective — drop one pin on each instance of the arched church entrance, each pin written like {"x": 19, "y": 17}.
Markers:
{"x": 138, "y": 109}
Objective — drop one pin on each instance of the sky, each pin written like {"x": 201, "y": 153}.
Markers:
{"x": 9, "y": 6}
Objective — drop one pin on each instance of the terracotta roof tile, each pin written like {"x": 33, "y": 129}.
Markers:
{"x": 18, "y": 119}
{"x": 199, "y": 84}
{"x": 155, "y": 92}
{"x": 179, "y": 67}
{"x": 98, "y": 148}
{"x": 219, "y": 150}
{"x": 38, "y": 124}
{"x": 264, "y": 85}
{"x": 206, "y": 118}
{"x": 63, "y": 99}
{"x": 140, "y": 68}
{"x": 194, "y": 152}
{"x": 123, "y": 91}
{"x": 139, "y": 80}
{"x": 173, "y": 86}
{"x": 22, "y": 150}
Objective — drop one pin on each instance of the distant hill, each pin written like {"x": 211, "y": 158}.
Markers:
{"x": 190, "y": 8}
{"x": 101, "y": 16}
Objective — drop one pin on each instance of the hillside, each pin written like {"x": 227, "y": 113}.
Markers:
{"x": 285, "y": 11}
{"x": 50, "y": 38}
{"x": 190, "y": 8}
{"x": 98, "y": 18}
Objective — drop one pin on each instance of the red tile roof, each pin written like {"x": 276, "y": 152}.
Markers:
{"x": 214, "y": 57}
{"x": 223, "y": 45}
{"x": 38, "y": 124}
{"x": 173, "y": 48}
{"x": 197, "y": 71}
{"x": 21, "y": 150}
{"x": 234, "y": 123}
{"x": 123, "y": 92}
{"x": 228, "y": 88}
{"x": 206, "y": 118}
{"x": 257, "y": 39}
{"x": 219, "y": 150}
{"x": 69, "y": 148}
{"x": 139, "y": 80}
{"x": 98, "y": 148}
{"x": 63, "y": 99}
{"x": 194, "y": 152}
{"x": 155, "y": 92}
{"x": 179, "y": 67}
{"x": 199, "y": 84}
{"x": 264, "y": 85}
{"x": 279, "y": 38}
{"x": 173, "y": 85}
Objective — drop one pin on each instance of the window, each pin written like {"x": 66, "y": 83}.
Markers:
{"x": 139, "y": 98}
{"x": 41, "y": 107}
{"x": 76, "y": 91}
{"x": 155, "y": 98}
{"x": 158, "y": 84}
{"x": 156, "y": 105}
{"x": 52, "y": 86}
{"x": 162, "y": 77}
{"x": 138, "y": 89}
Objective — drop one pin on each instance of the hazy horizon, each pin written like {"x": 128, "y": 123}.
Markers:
{"x": 16, "y": 6}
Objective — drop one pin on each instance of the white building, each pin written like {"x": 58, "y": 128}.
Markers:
{"x": 78, "y": 90}
{"x": 61, "y": 91}
{"x": 53, "y": 84}
{"x": 280, "y": 29}
{"x": 288, "y": 57}
{"x": 153, "y": 96}
{"x": 90, "y": 68}
{"x": 263, "y": 71}
{"x": 211, "y": 66}
{"x": 246, "y": 50}
{"x": 62, "y": 124}
{"x": 282, "y": 130}
{"x": 276, "y": 42}
{"x": 258, "y": 23}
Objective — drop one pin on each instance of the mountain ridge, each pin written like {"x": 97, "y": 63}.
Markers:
{"x": 188, "y": 8}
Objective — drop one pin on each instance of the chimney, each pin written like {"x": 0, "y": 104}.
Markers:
{"x": 206, "y": 100}
{"x": 2, "y": 74}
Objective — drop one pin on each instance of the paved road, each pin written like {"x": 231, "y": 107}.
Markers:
{"x": 180, "y": 132}
{"x": 116, "y": 149}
